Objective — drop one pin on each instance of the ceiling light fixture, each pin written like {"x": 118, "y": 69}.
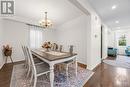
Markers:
{"x": 117, "y": 22}
{"x": 46, "y": 23}
{"x": 114, "y": 7}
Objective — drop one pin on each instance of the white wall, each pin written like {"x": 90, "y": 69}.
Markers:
{"x": 111, "y": 38}
{"x": 85, "y": 34}
{"x": 94, "y": 49}
{"x": 105, "y": 41}
{"x": 1, "y": 43}
{"x": 95, "y": 52}
{"x": 15, "y": 34}
{"x": 49, "y": 35}
{"x": 74, "y": 33}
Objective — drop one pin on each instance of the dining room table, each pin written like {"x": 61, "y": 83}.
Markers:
{"x": 53, "y": 58}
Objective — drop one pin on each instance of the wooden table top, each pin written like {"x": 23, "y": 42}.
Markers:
{"x": 50, "y": 57}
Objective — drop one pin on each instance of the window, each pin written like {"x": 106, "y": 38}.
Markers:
{"x": 122, "y": 40}
{"x": 36, "y": 36}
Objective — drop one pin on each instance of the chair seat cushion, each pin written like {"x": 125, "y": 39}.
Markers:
{"x": 42, "y": 68}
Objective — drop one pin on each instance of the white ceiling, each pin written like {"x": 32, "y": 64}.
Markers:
{"x": 109, "y": 16}
{"x": 59, "y": 11}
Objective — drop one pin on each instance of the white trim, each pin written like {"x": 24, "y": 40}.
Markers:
{"x": 79, "y": 6}
{"x": 93, "y": 66}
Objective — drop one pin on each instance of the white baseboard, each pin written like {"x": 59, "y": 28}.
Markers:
{"x": 93, "y": 66}
{"x": 10, "y": 62}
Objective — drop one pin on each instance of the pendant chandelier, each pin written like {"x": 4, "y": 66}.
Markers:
{"x": 46, "y": 23}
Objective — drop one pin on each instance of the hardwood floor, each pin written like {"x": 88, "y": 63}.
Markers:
{"x": 105, "y": 76}
{"x": 5, "y": 75}
{"x": 109, "y": 76}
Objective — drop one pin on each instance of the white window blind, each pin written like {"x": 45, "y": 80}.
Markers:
{"x": 36, "y": 37}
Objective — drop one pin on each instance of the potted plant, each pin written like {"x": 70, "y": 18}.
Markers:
{"x": 7, "y": 50}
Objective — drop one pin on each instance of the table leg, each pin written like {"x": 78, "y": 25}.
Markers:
{"x": 51, "y": 74}
{"x": 6, "y": 59}
{"x": 11, "y": 59}
{"x": 76, "y": 66}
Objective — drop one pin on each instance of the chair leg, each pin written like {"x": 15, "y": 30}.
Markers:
{"x": 11, "y": 59}
{"x": 35, "y": 81}
{"x": 31, "y": 78}
{"x": 28, "y": 72}
{"x": 6, "y": 60}
{"x": 67, "y": 67}
{"x": 25, "y": 63}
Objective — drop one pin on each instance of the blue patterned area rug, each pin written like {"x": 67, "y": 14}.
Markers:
{"x": 61, "y": 80}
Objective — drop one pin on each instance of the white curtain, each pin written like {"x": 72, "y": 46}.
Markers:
{"x": 36, "y": 37}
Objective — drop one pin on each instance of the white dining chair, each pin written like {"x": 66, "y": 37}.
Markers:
{"x": 68, "y": 63}
{"x": 25, "y": 56}
{"x": 37, "y": 70}
{"x": 27, "y": 61}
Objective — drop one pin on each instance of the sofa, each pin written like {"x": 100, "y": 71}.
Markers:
{"x": 112, "y": 51}
{"x": 127, "y": 50}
